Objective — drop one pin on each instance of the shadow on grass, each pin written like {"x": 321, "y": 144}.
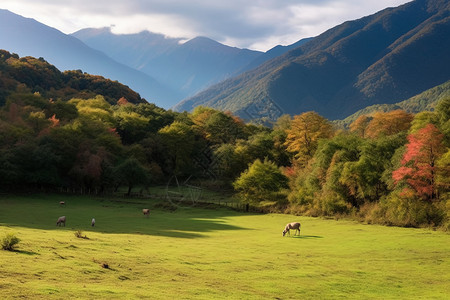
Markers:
{"x": 307, "y": 237}
{"x": 113, "y": 217}
{"x": 26, "y": 252}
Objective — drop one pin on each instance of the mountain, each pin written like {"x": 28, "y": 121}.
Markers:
{"x": 425, "y": 101}
{"x": 28, "y": 37}
{"x": 186, "y": 66}
{"x": 383, "y": 58}
{"x": 272, "y": 53}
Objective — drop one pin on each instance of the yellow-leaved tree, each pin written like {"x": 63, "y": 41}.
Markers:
{"x": 304, "y": 134}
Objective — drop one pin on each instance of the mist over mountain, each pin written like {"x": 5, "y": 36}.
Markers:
{"x": 186, "y": 66}
{"x": 383, "y": 58}
{"x": 28, "y": 37}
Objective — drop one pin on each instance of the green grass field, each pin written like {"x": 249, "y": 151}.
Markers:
{"x": 203, "y": 253}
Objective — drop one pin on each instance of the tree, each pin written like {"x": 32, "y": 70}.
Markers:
{"x": 179, "y": 139}
{"x": 131, "y": 172}
{"x": 443, "y": 111}
{"x": 216, "y": 126}
{"x": 262, "y": 181}
{"x": 305, "y": 132}
{"x": 388, "y": 123}
{"x": 418, "y": 168}
{"x": 132, "y": 127}
{"x": 363, "y": 177}
{"x": 359, "y": 126}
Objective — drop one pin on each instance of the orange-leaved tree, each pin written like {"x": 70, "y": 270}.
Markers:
{"x": 388, "y": 123}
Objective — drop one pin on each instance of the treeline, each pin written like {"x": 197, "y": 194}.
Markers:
{"x": 390, "y": 168}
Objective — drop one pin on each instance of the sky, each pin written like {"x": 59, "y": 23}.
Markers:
{"x": 253, "y": 24}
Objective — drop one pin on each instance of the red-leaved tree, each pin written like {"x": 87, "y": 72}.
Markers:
{"x": 418, "y": 168}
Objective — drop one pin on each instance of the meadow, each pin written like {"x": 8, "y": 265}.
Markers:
{"x": 209, "y": 253}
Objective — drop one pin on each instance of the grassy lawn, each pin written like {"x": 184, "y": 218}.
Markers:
{"x": 198, "y": 253}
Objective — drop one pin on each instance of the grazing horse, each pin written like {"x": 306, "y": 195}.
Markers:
{"x": 146, "y": 212}
{"x": 61, "y": 220}
{"x": 293, "y": 225}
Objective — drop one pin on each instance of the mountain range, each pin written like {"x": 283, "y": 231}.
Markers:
{"x": 162, "y": 70}
{"x": 383, "y": 58}
{"x": 185, "y": 66}
{"x": 387, "y": 57}
{"x": 27, "y": 37}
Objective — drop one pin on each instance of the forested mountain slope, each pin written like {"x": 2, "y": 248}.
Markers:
{"x": 383, "y": 58}
{"x": 27, "y": 75}
{"x": 425, "y": 101}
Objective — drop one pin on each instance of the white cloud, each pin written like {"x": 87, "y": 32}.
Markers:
{"x": 257, "y": 24}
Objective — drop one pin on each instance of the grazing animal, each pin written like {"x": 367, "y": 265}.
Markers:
{"x": 93, "y": 222}
{"x": 293, "y": 225}
{"x": 62, "y": 203}
{"x": 146, "y": 212}
{"x": 61, "y": 220}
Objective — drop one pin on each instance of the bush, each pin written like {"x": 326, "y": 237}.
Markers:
{"x": 404, "y": 210}
{"x": 332, "y": 203}
{"x": 262, "y": 181}
{"x": 79, "y": 234}
{"x": 9, "y": 242}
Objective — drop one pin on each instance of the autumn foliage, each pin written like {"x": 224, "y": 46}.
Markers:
{"x": 388, "y": 123}
{"x": 74, "y": 131}
{"x": 419, "y": 168}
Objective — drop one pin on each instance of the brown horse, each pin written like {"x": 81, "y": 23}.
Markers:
{"x": 293, "y": 225}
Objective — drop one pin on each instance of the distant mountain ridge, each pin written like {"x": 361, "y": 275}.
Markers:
{"x": 28, "y": 37}
{"x": 163, "y": 70}
{"x": 186, "y": 66}
{"x": 383, "y": 58}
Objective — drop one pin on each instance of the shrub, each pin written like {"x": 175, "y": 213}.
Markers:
{"x": 79, "y": 234}
{"x": 9, "y": 242}
{"x": 402, "y": 209}
{"x": 262, "y": 181}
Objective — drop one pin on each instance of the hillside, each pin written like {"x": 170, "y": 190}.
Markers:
{"x": 272, "y": 53}
{"x": 30, "y": 75}
{"x": 424, "y": 101}
{"x": 383, "y": 58}
{"x": 27, "y": 37}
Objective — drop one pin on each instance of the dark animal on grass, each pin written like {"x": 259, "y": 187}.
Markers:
{"x": 146, "y": 212}
{"x": 62, "y": 203}
{"x": 293, "y": 225}
{"x": 61, "y": 220}
{"x": 93, "y": 222}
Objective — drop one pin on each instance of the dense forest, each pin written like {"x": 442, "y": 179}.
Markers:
{"x": 74, "y": 130}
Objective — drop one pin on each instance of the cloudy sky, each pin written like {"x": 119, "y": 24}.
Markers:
{"x": 253, "y": 24}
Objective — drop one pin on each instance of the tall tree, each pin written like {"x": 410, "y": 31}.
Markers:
{"x": 359, "y": 126}
{"x": 304, "y": 135}
{"x": 418, "y": 168}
